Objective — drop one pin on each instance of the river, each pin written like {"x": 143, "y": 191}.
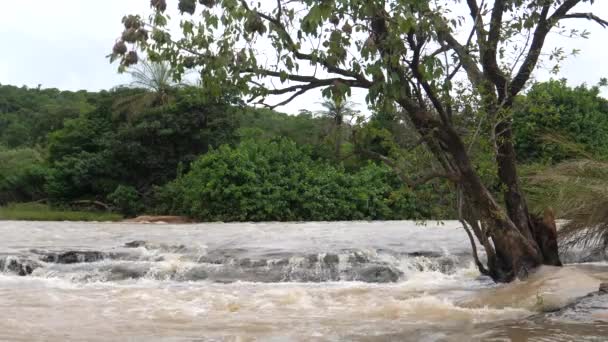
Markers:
{"x": 344, "y": 281}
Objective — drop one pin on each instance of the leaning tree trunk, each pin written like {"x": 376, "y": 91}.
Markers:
{"x": 515, "y": 243}
{"x": 542, "y": 230}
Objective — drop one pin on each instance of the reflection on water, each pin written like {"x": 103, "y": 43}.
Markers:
{"x": 381, "y": 281}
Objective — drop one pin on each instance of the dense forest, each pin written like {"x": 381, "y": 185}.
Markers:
{"x": 182, "y": 151}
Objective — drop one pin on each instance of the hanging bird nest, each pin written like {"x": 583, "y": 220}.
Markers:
{"x": 120, "y": 48}
{"x": 131, "y": 58}
{"x": 189, "y": 62}
{"x": 160, "y": 5}
{"x": 187, "y": 6}
{"x": 130, "y": 35}
{"x": 131, "y": 21}
{"x": 254, "y": 24}
{"x": 347, "y": 28}
{"x": 208, "y": 3}
{"x": 334, "y": 20}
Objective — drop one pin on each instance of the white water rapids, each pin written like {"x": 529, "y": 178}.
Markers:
{"x": 344, "y": 281}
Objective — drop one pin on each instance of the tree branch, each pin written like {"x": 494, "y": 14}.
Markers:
{"x": 542, "y": 29}
{"x": 488, "y": 50}
{"x": 588, "y": 16}
{"x": 412, "y": 183}
{"x": 291, "y": 46}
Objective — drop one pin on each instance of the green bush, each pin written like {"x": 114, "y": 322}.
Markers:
{"x": 127, "y": 200}
{"x": 279, "y": 181}
{"x": 553, "y": 113}
{"x": 22, "y": 175}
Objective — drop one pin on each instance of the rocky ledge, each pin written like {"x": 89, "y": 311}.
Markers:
{"x": 590, "y": 308}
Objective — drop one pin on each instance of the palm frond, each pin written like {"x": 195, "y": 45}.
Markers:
{"x": 578, "y": 192}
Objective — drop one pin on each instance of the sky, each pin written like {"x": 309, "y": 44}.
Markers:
{"x": 63, "y": 43}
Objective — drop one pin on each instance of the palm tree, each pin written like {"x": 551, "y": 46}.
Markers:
{"x": 155, "y": 77}
{"x": 156, "y": 81}
{"x": 337, "y": 111}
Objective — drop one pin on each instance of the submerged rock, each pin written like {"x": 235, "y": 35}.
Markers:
{"x": 136, "y": 244}
{"x": 379, "y": 274}
{"x": 160, "y": 219}
{"x": 331, "y": 259}
{"x": 153, "y": 246}
{"x": 73, "y": 257}
{"x": 590, "y": 308}
{"x": 19, "y": 266}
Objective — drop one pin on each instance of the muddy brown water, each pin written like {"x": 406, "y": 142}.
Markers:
{"x": 344, "y": 281}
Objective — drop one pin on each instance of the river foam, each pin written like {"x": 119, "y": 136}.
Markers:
{"x": 378, "y": 281}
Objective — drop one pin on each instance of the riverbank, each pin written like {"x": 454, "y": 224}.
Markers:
{"x": 43, "y": 212}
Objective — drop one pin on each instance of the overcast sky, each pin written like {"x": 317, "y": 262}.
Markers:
{"x": 63, "y": 43}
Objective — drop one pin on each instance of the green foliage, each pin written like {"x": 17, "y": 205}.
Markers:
{"x": 42, "y": 212}
{"x": 28, "y": 115}
{"x": 279, "y": 181}
{"x": 553, "y": 112}
{"x": 22, "y": 175}
{"x": 284, "y": 167}
{"x": 96, "y": 152}
{"x": 127, "y": 200}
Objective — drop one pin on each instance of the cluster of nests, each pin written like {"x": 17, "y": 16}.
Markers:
{"x": 185, "y": 6}
{"x": 133, "y": 32}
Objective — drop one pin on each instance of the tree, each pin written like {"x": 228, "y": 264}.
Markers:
{"x": 551, "y": 113}
{"x": 416, "y": 56}
{"x": 153, "y": 84}
{"x": 337, "y": 110}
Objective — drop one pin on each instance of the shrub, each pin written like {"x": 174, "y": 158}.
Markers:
{"x": 279, "y": 181}
{"x": 127, "y": 200}
{"x": 22, "y": 175}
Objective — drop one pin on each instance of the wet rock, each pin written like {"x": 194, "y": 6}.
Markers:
{"x": 379, "y": 274}
{"x": 281, "y": 262}
{"x": 122, "y": 272}
{"x": 590, "y": 308}
{"x": 313, "y": 258}
{"x": 195, "y": 274}
{"x": 259, "y": 263}
{"x": 446, "y": 265}
{"x": 426, "y": 254}
{"x": 19, "y": 266}
{"x": 358, "y": 258}
{"x": 245, "y": 262}
{"x": 331, "y": 259}
{"x": 136, "y": 244}
{"x": 160, "y": 219}
{"x": 73, "y": 257}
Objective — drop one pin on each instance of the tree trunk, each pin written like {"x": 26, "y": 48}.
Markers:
{"x": 338, "y": 137}
{"x": 542, "y": 230}
{"x": 515, "y": 244}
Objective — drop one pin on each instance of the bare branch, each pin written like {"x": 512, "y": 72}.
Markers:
{"x": 412, "y": 183}
{"x": 588, "y": 16}
{"x": 542, "y": 29}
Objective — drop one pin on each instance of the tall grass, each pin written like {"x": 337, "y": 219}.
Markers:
{"x": 42, "y": 212}
{"x": 578, "y": 192}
